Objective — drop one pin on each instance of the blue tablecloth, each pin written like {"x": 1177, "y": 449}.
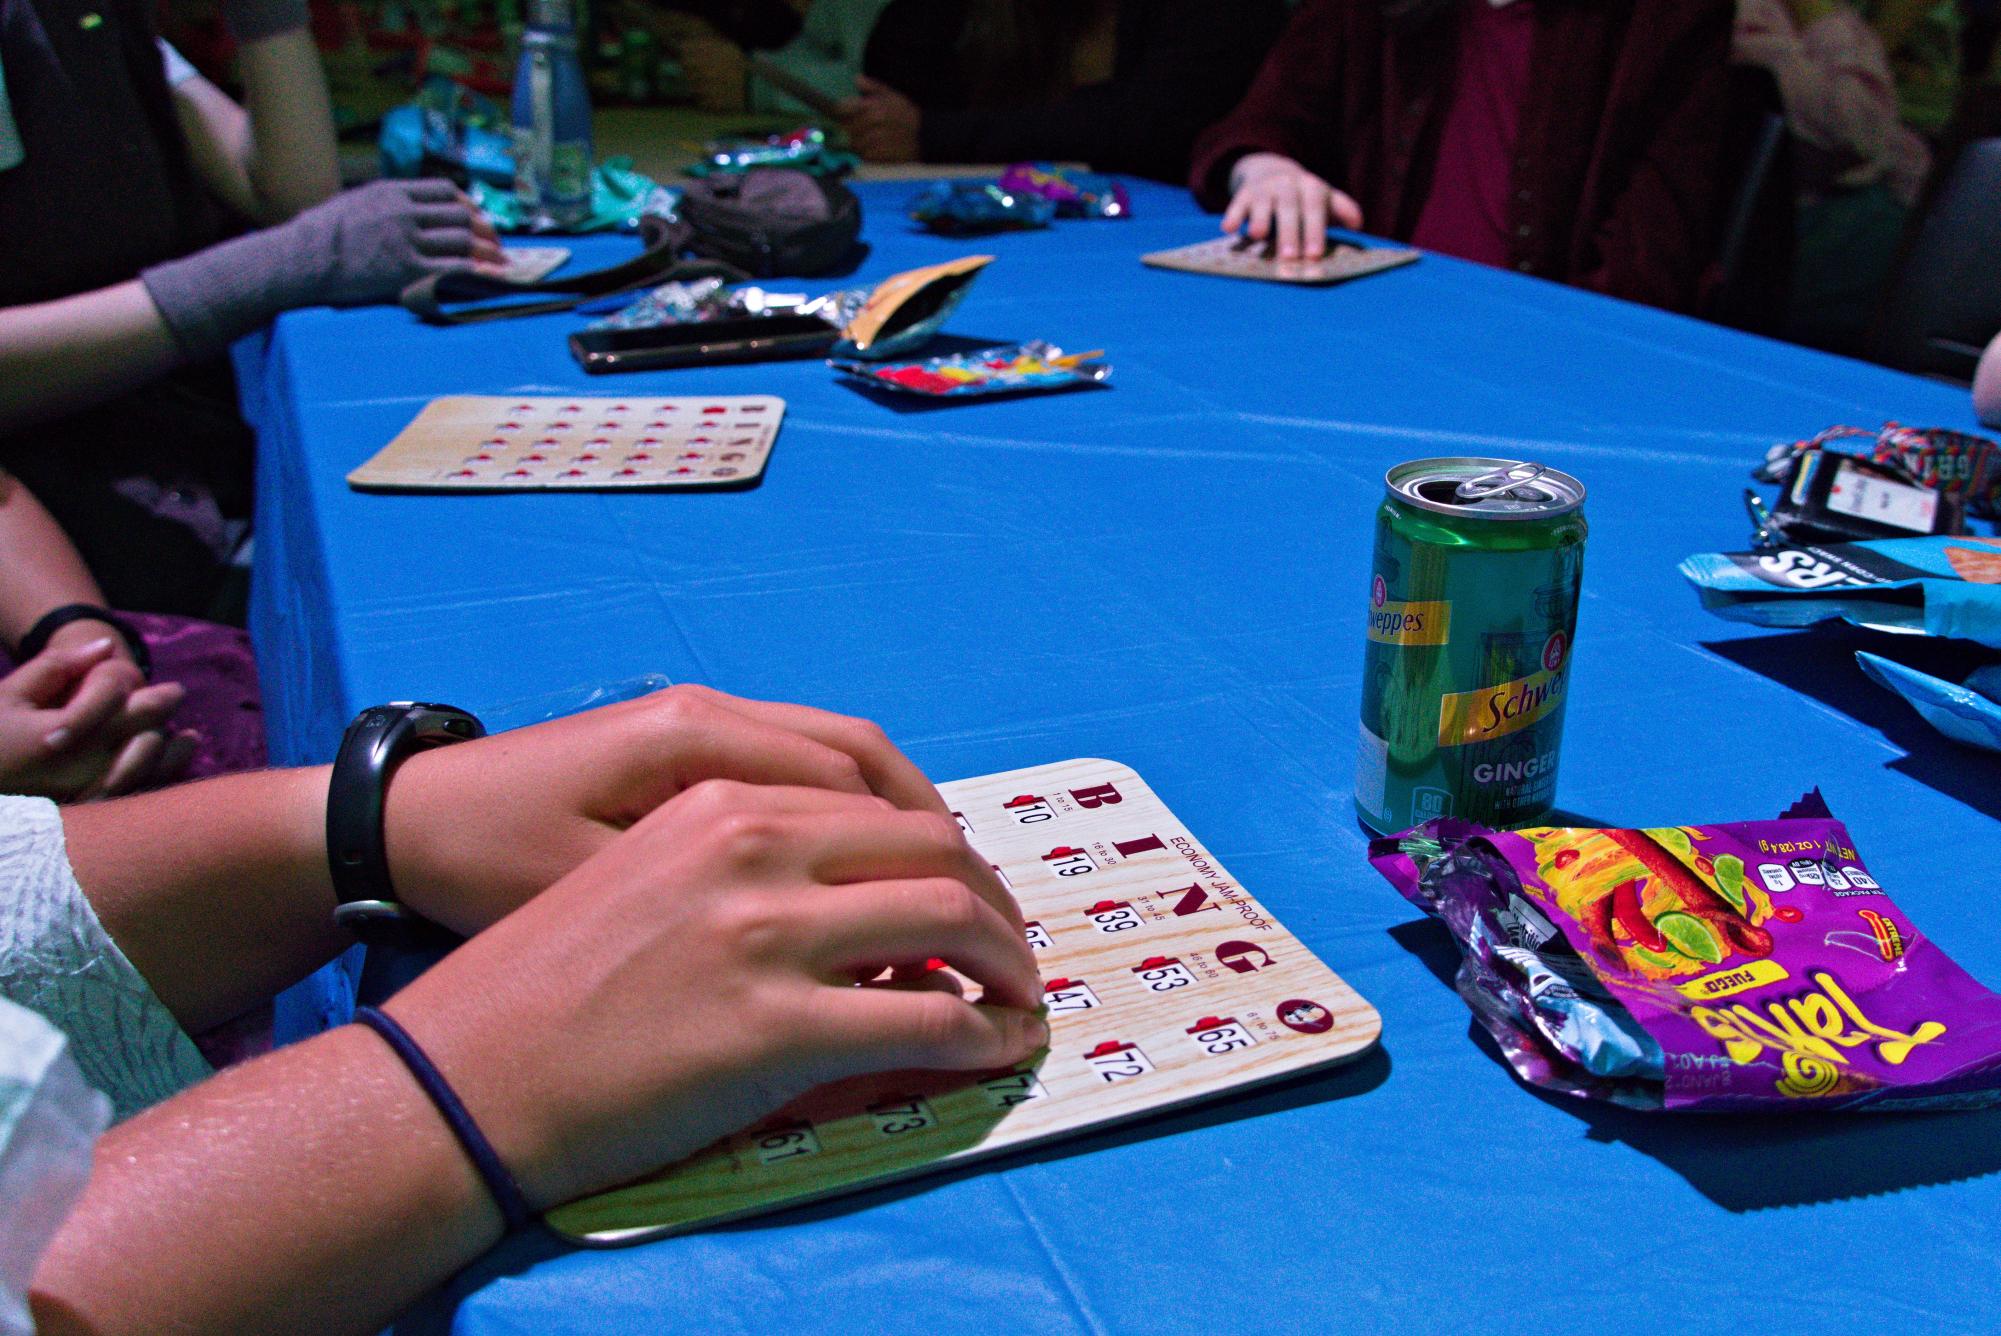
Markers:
{"x": 1172, "y": 572}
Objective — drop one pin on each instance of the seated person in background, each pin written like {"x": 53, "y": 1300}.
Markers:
{"x": 740, "y": 902}
{"x": 122, "y": 173}
{"x": 1987, "y": 385}
{"x": 708, "y": 39}
{"x": 827, "y": 54}
{"x": 824, "y": 49}
{"x": 1123, "y": 85}
{"x": 1594, "y": 143}
{"x": 1858, "y": 167}
{"x": 77, "y": 718}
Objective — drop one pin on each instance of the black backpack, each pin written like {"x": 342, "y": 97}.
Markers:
{"x": 772, "y": 221}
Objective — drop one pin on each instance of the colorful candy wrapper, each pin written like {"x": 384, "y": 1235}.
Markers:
{"x": 695, "y": 302}
{"x": 1076, "y": 194}
{"x": 1014, "y": 369}
{"x": 620, "y": 196}
{"x": 903, "y": 311}
{"x": 1755, "y": 965}
{"x": 1028, "y": 195}
{"x": 973, "y": 208}
{"x": 897, "y": 315}
{"x": 1940, "y": 586}
{"x": 448, "y": 130}
{"x": 804, "y": 148}
{"x": 1969, "y": 713}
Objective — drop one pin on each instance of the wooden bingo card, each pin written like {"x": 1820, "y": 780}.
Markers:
{"x": 1165, "y": 983}
{"x": 1241, "y": 257}
{"x": 485, "y": 443}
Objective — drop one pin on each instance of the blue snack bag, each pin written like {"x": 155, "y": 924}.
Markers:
{"x": 1962, "y": 713}
{"x": 1940, "y": 586}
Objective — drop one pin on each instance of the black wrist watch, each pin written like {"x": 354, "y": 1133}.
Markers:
{"x": 376, "y": 742}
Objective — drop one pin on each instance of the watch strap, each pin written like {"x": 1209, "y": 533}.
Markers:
{"x": 357, "y": 854}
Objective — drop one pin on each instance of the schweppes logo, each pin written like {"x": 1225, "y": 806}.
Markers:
{"x": 1494, "y": 712}
{"x": 1409, "y": 623}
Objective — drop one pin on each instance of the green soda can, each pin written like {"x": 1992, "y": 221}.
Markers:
{"x": 1472, "y": 613}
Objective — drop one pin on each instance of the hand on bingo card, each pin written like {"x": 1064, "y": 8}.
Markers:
{"x": 475, "y": 829}
{"x": 699, "y": 972}
{"x": 1276, "y": 198}
{"x": 882, "y": 124}
{"x": 80, "y": 722}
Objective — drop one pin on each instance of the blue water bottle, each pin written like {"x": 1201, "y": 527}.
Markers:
{"x": 552, "y": 120}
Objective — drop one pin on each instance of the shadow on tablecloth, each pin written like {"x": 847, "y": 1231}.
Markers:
{"x": 434, "y": 1316}
{"x": 1821, "y": 664}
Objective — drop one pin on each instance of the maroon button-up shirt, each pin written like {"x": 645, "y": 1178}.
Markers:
{"x": 1628, "y": 151}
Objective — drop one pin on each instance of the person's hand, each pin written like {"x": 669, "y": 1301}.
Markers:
{"x": 882, "y": 124}
{"x": 473, "y": 830}
{"x": 701, "y": 971}
{"x": 79, "y": 722}
{"x": 1277, "y": 199}
{"x": 363, "y": 245}
{"x": 149, "y": 757}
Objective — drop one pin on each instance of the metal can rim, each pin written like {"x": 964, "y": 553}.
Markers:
{"x": 1571, "y": 499}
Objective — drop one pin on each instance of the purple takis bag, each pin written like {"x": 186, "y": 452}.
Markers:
{"x": 1750, "y": 965}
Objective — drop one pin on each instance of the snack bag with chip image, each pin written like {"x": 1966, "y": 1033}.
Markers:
{"x": 1940, "y": 586}
{"x": 1752, "y": 965}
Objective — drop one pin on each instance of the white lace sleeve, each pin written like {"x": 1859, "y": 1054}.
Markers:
{"x": 49, "y": 1120}
{"x": 57, "y": 961}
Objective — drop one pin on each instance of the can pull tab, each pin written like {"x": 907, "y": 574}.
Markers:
{"x": 1501, "y": 482}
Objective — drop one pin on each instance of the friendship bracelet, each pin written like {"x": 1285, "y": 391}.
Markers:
{"x": 507, "y": 1194}
{"x": 56, "y": 619}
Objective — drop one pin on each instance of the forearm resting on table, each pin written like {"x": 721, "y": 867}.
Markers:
{"x": 313, "y": 1189}
{"x": 44, "y": 569}
{"x": 218, "y": 892}
{"x": 76, "y": 351}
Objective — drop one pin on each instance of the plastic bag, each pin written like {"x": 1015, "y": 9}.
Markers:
{"x": 1750, "y": 965}
{"x": 1941, "y": 586}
